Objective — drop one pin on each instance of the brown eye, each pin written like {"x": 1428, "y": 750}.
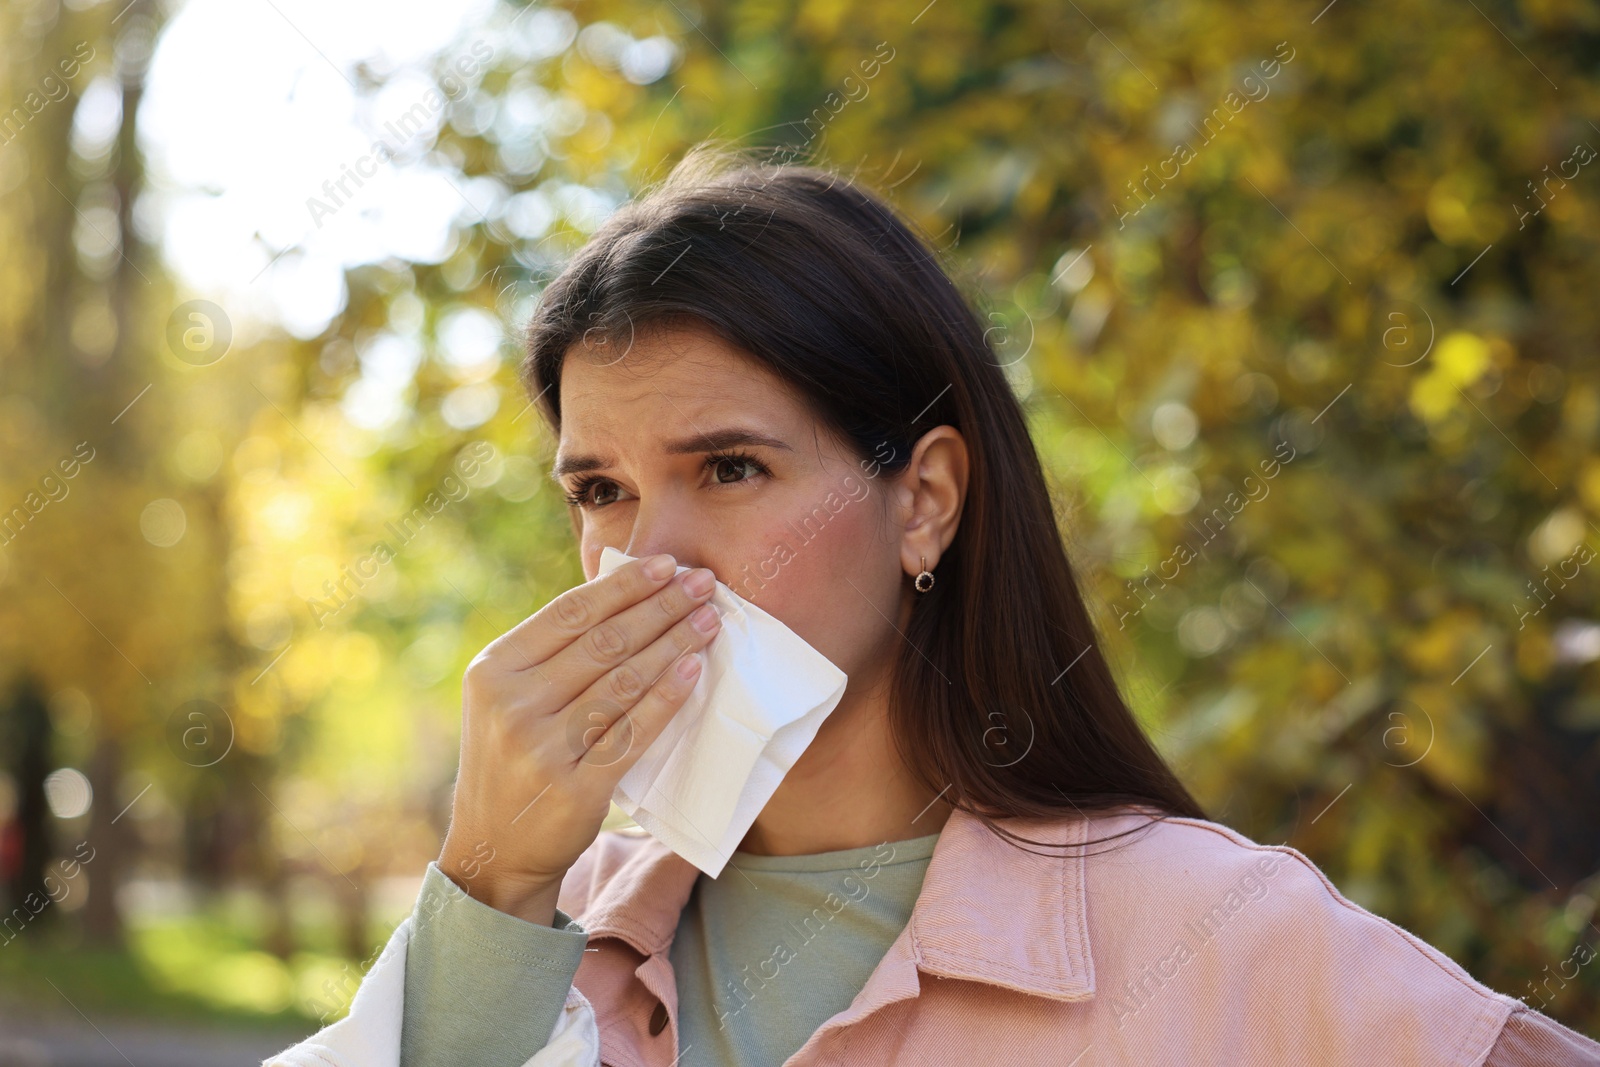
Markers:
{"x": 582, "y": 495}
{"x": 731, "y": 470}
{"x": 604, "y": 493}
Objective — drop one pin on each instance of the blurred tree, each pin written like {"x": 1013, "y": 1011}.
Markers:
{"x": 25, "y": 745}
{"x": 97, "y": 541}
{"x": 1299, "y": 301}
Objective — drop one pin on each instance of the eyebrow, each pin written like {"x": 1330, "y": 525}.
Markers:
{"x": 714, "y": 441}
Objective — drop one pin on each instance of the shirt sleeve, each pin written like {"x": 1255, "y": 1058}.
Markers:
{"x": 481, "y": 986}
{"x": 1530, "y": 1039}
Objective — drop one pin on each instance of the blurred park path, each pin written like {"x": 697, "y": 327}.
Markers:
{"x": 31, "y": 1039}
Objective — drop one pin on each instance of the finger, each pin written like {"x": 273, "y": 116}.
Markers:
{"x": 573, "y": 613}
{"x": 610, "y": 696}
{"x": 614, "y": 641}
{"x": 619, "y": 748}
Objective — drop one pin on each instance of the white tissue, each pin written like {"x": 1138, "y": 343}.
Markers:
{"x": 761, "y": 696}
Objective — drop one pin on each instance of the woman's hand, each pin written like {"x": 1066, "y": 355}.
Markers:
{"x": 554, "y": 712}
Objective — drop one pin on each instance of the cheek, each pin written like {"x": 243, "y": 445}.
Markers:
{"x": 596, "y": 529}
{"x": 817, "y": 580}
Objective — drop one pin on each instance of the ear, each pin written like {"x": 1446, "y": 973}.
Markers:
{"x": 930, "y": 493}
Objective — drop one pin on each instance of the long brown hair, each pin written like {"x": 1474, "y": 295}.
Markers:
{"x": 1019, "y": 714}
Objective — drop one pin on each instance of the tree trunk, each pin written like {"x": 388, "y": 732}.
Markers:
{"x": 27, "y": 745}
{"x": 102, "y": 918}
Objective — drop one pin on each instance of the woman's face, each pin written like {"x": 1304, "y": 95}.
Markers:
{"x": 686, "y": 445}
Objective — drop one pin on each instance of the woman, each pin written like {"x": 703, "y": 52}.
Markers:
{"x": 981, "y": 857}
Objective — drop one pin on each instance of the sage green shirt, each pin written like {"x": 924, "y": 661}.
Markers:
{"x": 482, "y": 987}
{"x": 764, "y": 954}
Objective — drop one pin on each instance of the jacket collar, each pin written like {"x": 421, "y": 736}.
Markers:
{"x": 988, "y": 911}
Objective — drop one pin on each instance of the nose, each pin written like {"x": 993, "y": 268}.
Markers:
{"x": 658, "y": 529}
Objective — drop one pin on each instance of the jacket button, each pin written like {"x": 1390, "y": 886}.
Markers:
{"x": 658, "y": 1019}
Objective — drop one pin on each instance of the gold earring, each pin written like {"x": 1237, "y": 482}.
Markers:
{"x": 925, "y": 579}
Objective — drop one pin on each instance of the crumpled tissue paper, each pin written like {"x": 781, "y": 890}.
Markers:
{"x": 762, "y": 694}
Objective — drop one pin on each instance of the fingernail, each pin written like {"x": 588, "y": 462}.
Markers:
{"x": 699, "y": 582}
{"x": 705, "y": 618}
{"x": 689, "y": 666}
{"x": 659, "y": 567}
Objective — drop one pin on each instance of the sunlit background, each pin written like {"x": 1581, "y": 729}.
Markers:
{"x": 1300, "y": 299}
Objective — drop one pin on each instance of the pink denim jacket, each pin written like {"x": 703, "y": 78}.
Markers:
{"x": 1183, "y": 943}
